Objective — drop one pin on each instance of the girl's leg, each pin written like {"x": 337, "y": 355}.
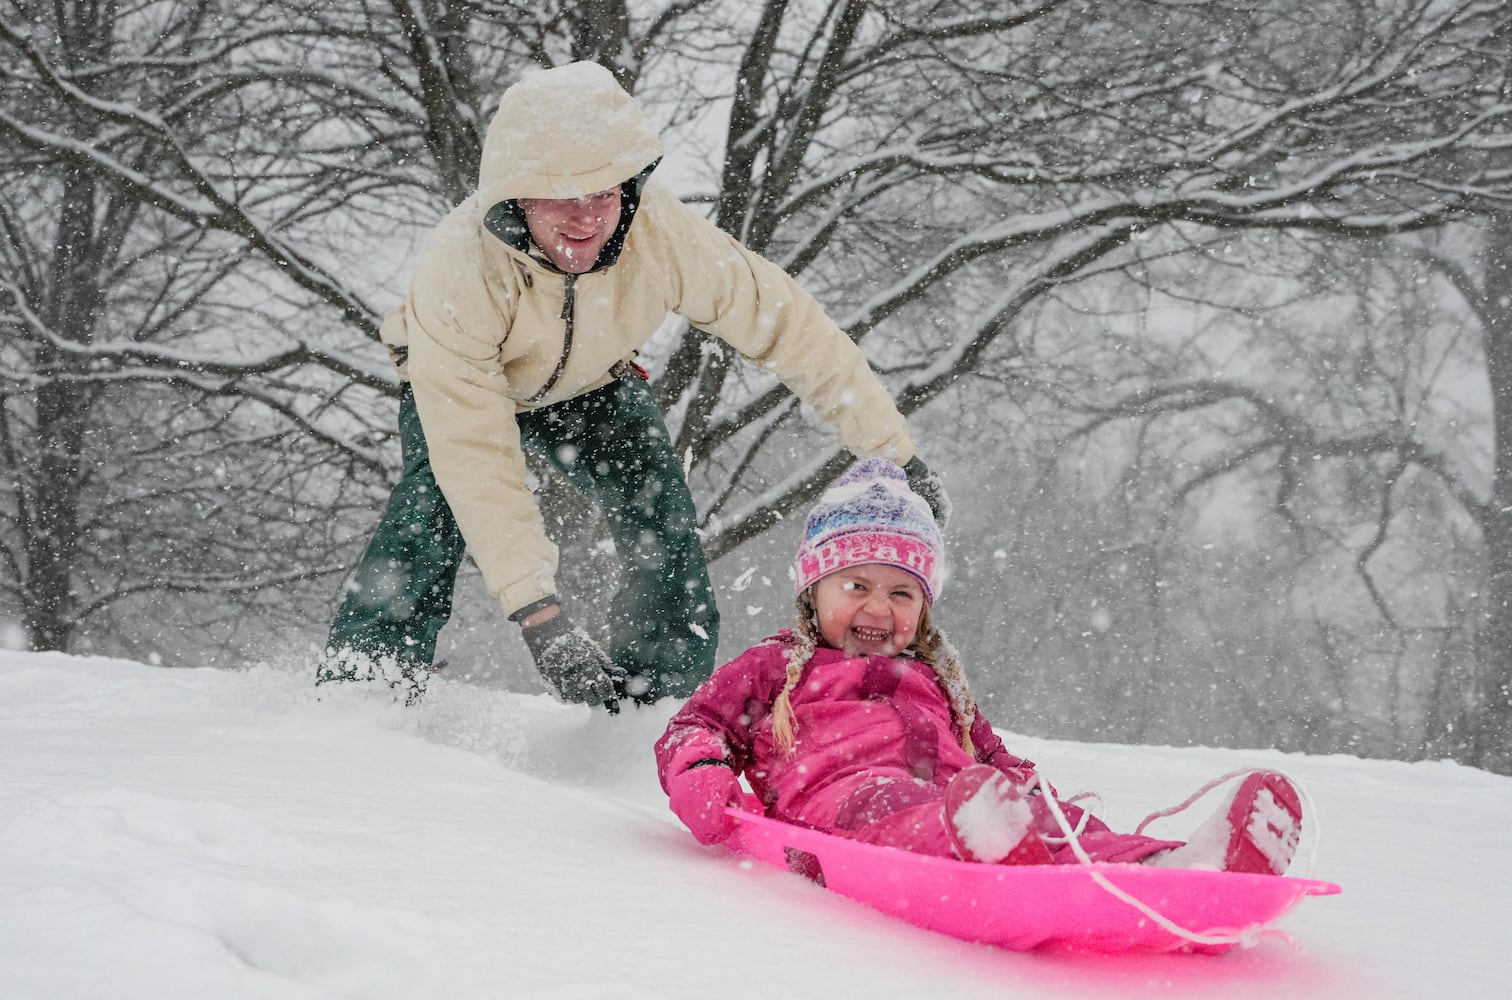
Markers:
{"x": 979, "y": 815}
{"x": 1098, "y": 841}
{"x": 896, "y": 811}
{"x": 926, "y": 819}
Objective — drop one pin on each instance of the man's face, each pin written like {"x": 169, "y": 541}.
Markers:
{"x": 572, "y": 231}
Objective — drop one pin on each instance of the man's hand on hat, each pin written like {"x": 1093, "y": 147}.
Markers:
{"x": 930, "y": 486}
{"x": 576, "y": 667}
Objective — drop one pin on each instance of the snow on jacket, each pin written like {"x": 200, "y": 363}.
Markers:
{"x": 489, "y": 329}
{"x": 855, "y": 719}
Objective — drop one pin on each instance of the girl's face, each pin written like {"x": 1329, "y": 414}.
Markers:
{"x": 869, "y": 610}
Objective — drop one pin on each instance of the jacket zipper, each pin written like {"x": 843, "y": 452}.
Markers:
{"x": 569, "y": 296}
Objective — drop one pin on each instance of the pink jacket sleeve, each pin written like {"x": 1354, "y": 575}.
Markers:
{"x": 990, "y": 750}
{"x": 720, "y": 720}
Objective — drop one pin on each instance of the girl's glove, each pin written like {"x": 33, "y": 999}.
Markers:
{"x": 575, "y": 666}
{"x": 930, "y": 487}
{"x": 699, "y": 796}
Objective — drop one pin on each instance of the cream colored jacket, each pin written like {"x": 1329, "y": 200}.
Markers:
{"x": 484, "y": 326}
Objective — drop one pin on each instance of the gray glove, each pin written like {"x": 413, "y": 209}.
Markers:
{"x": 575, "y": 666}
{"x": 929, "y": 485}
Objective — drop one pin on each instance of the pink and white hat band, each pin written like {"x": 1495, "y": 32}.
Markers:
{"x": 871, "y": 516}
{"x": 902, "y": 551}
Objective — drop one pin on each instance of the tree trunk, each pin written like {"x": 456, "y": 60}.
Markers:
{"x": 52, "y": 497}
{"x": 437, "y": 42}
{"x": 1491, "y": 714}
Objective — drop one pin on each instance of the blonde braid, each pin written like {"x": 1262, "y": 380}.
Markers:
{"x": 933, "y": 649}
{"x": 806, "y": 638}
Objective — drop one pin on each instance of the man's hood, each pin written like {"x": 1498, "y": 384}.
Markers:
{"x": 565, "y": 133}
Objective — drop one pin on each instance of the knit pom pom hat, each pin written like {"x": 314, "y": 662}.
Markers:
{"x": 871, "y": 516}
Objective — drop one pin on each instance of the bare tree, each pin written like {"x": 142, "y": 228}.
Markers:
{"x": 1084, "y": 146}
{"x": 165, "y": 239}
{"x": 1301, "y": 461}
{"x": 1485, "y": 285}
{"x": 195, "y": 182}
{"x": 961, "y": 183}
{"x": 1080, "y": 131}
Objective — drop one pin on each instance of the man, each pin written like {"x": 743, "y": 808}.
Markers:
{"x": 523, "y": 317}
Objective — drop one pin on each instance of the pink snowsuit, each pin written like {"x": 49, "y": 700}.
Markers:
{"x": 874, "y": 748}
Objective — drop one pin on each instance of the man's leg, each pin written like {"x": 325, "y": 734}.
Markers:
{"x": 614, "y": 447}
{"x": 401, "y": 593}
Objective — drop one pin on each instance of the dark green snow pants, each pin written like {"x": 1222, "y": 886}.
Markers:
{"x": 614, "y": 447}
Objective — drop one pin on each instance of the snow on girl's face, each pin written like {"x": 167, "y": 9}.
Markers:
{"x": 572, "y": 231}
{"x": 869, "y": 610}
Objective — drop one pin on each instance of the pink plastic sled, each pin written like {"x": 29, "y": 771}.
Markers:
{"x": 1098, "y": 907}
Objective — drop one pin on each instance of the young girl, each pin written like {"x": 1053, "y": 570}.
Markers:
{"x": 859, "y": 722}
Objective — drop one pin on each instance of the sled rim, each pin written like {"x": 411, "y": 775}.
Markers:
{"x": 1030, "y": 907}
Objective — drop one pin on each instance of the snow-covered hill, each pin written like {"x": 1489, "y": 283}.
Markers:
{"x": 205, "y": 834}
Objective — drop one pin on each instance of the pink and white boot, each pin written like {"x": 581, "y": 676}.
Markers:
{"x": 989, "y": 820}
{"x": 1256, "y": 831}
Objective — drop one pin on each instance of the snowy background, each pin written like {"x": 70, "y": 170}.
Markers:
{"x": 216, "y": 834}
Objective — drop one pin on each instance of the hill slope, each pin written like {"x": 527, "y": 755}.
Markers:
{"x": 194, "y": 834}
